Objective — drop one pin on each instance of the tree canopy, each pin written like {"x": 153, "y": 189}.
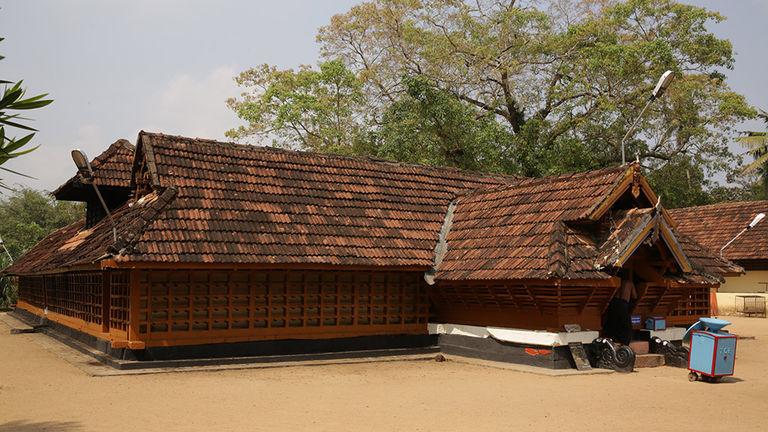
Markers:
{"x": 522, "y": 87}
{"x": 756, "y": 143}
{"x": 26, "y": 216}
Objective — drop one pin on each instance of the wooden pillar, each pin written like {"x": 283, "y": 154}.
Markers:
{"x": 44, "y": 280}
{"x": 251, "y": 300}
{"x": 134, "y": 307}
{"x": 106, "y": 288}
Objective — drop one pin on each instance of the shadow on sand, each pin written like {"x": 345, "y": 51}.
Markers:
{"x": 48, "y": 426}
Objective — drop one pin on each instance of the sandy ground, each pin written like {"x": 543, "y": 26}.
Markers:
{"x": 40, "y": 391}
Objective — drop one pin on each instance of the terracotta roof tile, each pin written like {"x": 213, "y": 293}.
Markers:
{"x": 74, "y": 245}
{"x": 112, "y": 168}
{"x": 509, "y": 230}
{"x": 245, "y": 204}
{"x": 538, "y": 228}
{"x": 714, "y": 225}
{"x": 234, "y": 204}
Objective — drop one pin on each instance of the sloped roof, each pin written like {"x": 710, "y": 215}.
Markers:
{"x": 74, "y": 245}
{"x": 224, "y": 203}
{"x": 714, "y": 225}
{"x": 112, "y": 168}
{"x": 515, "y": 232}
{"x": 243, "y": 204}
{"x": 544, "y": 228}
{"x": 239, "y": 204}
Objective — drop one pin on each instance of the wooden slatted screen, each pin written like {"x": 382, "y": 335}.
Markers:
{"x": 199, "y": 306}
{"x": 119, "y": 286}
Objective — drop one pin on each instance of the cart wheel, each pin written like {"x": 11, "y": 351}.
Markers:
{"x": 693, "y": 376}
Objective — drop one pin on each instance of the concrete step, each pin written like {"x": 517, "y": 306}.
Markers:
{"x": 639, "y": 347}
{"x": 649, "y": 360}
{"x": 15, "y": 325}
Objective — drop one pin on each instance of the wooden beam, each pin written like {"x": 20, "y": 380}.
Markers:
{"x": 106, "y": 289}
{"x": 133, "y": 307}
{"x": 111, "y": 263}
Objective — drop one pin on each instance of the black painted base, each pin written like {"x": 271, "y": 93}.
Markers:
{"x": 496, "y": 350}
{"x": 270, "y": 351}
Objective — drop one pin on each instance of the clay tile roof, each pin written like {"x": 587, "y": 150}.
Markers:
{"x": 516, "y": 231}
{"x": 714, "y": 225}
{"x": 74, "y": 245}
{"x": 538, "y": 229}
{"x": 112, "y": 168}
{"x": 246, "y": 204}
{"x": 224, "y": 203}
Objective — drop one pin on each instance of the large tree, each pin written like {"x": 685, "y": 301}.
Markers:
{"x": 318, "y": 109}
{"x": 525, "y": 87}
{"x": 555, "y": 72}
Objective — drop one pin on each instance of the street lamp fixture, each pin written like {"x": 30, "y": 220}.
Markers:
{"x": 86, "y": 172}
{"x": 759, "y": 217}
{"x": 661, "y": 86}
{"x": 2, "y": 243}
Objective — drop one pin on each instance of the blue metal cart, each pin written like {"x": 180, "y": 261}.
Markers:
{"x": 713, "y": 352}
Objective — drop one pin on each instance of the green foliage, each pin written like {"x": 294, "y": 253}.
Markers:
{"x": 430, "y": 126}
{"x": 680, "y": 184}
{"x": 14, "y": 100}
{"x": 26, "y": 216}
{"x": 521, "y": 87}
{"x": 757, "y": 147}
{"x": 317, "y": 108}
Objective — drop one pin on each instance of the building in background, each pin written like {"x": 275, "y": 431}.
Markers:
{"x": 713, "y": 226}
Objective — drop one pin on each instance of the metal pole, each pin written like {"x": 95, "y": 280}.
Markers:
{"x": 632, "y": 128}
{"x": 106, "y": 209}
{"x": 731, "y": 241}
{"x": 6, "y": 251}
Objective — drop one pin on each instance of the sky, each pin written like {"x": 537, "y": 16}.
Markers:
{"x": 114, "y": 68}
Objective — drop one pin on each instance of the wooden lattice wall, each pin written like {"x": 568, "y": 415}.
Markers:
{"x": 200, "y": 306}
{"x": 77, "y": 299}
{"x": 119, "y": 298}
{"x": 537, "y": 305}
{"x": 528, "y": 305}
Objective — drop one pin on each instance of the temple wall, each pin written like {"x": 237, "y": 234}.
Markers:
{"x": 78, "y": 300}
{"x": 190, "y": 307}
{"x": 547, "y": 305}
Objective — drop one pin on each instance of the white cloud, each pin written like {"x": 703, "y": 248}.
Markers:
{"x": 194, "y": 106}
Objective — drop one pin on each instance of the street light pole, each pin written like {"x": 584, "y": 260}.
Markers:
{"x": 2, "y": 243}
{"x": 661, "y": 86}
{"x": 755, "y": 221}
{"x": 85, "y": 170}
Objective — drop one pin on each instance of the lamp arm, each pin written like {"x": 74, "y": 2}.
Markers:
{"x": 632, "y": 128}
{"x": 7, "y": 252}
{"x": 731, "y": 241}
{"x": 106, "y": 209}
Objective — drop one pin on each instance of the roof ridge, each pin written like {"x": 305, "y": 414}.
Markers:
{"x": 722, "y": 204}
{"x": 535, "y": 181}
{"x": 111, "y": 152}
{"x": 252, "y": 147}
{"x": 147, "y": 216}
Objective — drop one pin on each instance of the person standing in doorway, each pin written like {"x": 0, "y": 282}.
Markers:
{"x": 618, "y": 317}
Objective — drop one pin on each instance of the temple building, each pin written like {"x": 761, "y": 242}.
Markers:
{"x": 227, "y": 249}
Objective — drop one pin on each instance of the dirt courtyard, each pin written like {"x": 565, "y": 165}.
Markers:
{"x": 40, "y": 391}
